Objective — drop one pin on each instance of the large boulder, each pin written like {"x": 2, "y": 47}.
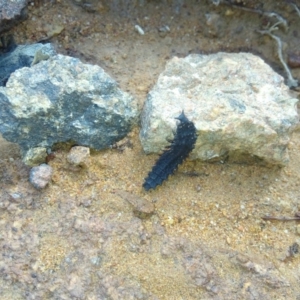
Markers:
{"x": 64, "y": 100}
{"x": 241, "y": 108}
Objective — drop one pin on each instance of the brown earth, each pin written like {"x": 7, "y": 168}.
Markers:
{"x": 207, "y": 239}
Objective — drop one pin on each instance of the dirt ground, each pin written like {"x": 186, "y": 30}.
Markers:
{"x": 78, "y": 239}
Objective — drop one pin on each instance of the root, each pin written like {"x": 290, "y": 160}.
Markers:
{"x": 281, "y": 21}
{"x": 291, "y": 82}
{"x": 296, "y": 8}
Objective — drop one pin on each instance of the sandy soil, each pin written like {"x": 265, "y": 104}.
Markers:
{"x": 78, "y": 239}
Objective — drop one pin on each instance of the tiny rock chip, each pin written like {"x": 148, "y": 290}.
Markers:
{"x": 79, "y": 156}
{"x": 294, "y": 60}
{"x": 40, "y": 176}
{"x": 141, "y": 207}
{"x": 35, "y": 156}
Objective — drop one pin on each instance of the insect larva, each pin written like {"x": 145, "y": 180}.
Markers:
{"x": 183, "y": 143}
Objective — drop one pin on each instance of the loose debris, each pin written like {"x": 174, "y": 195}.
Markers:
{"x": 282, "y": 218}
{"x": 264, "y": 272}
{"x": 122, "y": 145}
{"x": 296, "y": 8}
{"x": 291, "y": 82}
{"x": 294, "y": 60}
{"x": 196, "y": 263}
{"x": 269, "y": 14}
{"x": 79, "y": 156}
{"x": 291, "y": 252}
{"x": 141, "y": 207}
{"x": 40, "y": 176}
{"x": 139, "y": 29}
{"x": 294, "y": 249}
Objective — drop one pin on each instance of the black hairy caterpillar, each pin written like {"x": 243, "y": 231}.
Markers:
{"x": 183, "y": 143}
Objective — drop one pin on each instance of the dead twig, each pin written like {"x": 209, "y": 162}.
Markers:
{"x": 282, "y": 21}
{"x": 291, "y": 82}
{"x": 282, "y": 218}
{"x": 296, "y": 8}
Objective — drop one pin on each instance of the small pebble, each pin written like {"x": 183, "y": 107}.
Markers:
{"x": 139, "y": 29}
{"x": 164, "y": 30}
{"x": 294, "y": 60}
{"x": 78, "y": 156}
{"x": 40, "y": 176}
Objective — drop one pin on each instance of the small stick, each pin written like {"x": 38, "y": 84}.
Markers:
{"x": 291, "y": 82}
{"x": 296, "y": 8}
{"x": 280, "y": 19}
{"x": 296, "y": 218}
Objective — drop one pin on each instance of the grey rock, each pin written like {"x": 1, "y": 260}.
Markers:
{"x": 12, "y": 12}
{"x": 78, "y": 156}
{"x": 40, "y": 176}
{"x": 64, "y": 100}
{"x": 241, "y": 108}
{"x": 23, "y": 56}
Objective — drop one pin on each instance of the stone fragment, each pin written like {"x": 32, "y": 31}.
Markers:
{"x": 63, "y": 100}
{"x": 23, "y": 56}
{"x": 78, "y": 156}
{"x": 40, "y": 176}
{"x": 197, "y": 264}
{"x": 35, "y": 156}
{"x": 142, "y": 208}
{"x": 12, "y": 12}
{"x": 294, "y": 60}
{"x": 265, "y": 271}
{"x": 241, "y": 108}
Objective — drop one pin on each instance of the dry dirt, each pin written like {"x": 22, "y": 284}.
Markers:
{"x": 78, "y": 239}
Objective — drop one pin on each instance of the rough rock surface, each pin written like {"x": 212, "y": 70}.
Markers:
{"x": 12, "y": 12}
{"x": 62, "y": 100}
{"x": 241, "y": 108}
{"x": 23, "y": 56}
